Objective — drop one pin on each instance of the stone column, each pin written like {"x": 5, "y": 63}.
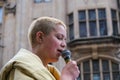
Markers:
{"x": 9, "y": 35}
{"x": 23, "y": 20}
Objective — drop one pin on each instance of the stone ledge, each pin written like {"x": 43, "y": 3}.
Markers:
{"x": 95, "y": 40}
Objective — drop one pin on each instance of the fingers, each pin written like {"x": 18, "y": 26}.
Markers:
{"x": 73, "y": 68}
{"x": 70, "y": 71}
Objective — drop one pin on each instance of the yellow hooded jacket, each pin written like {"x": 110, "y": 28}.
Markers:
{"x": 27, "y": 66}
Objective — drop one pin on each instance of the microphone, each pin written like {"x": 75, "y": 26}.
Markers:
{"x": 66, "y": 54}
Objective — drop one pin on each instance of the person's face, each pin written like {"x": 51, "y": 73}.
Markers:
{"x": 54, "y": 44}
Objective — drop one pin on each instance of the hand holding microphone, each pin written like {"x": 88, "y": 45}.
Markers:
{"x": 70, "y": 71}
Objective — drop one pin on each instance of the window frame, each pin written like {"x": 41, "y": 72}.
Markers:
{"x": 101, "y": 72}
{"x": 96, "y": 26}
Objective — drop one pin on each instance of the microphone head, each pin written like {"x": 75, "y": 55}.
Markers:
{"x": 66, "y": 54}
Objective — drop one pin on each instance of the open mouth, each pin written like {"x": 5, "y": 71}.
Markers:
{"x": 60, "y": 51}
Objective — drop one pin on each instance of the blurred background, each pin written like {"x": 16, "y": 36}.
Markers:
{"x": 93, "y": 32}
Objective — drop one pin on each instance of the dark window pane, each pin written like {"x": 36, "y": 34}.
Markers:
{"x": 114, "y": 22}
{"x": 47, "y": 0}
{"x": 92, "y": 15}
{"x": 103, "y": 27}
{"x": 82, "y": 24}
{"x": 1, "y": 14}
{"x": 86, "y": 66}
{"x": 71, "y": 32}
{"x": 106, "y": 76}
{"x": 102, "y": 22}
{"x": 105, "y": 66}
{"x": 96, "y": 76}
{"x": 82, "y": 15}
{"x": 115, "y": 67}
{"x": 118, "y": 4}
{"x": 95, "y": 66}
{"x": 71, "y": 26}
{"x": 83, "y": 29}
{"x": 87, "y": 77}
{"x": 93, "y": 29}
{"x": 116, "y": 76}
{"x": 115, "y": 28}
{"x": 101, "y": 13}
{"x": 70, "y": 18}
{"x": 79, "y": 77}
{"x": 113, "y": 13}
{"x": 38, "y": 1}
{"x": 115, "y": 70}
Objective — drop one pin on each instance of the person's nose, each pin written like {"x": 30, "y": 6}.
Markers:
{"x": 63, "y": 44}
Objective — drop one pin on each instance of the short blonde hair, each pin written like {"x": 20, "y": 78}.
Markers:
{"x": 44, "y": 24}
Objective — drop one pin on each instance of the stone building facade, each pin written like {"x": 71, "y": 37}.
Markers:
{"x": 93, "y": 32}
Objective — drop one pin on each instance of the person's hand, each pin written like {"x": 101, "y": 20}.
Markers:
{"x": 70, "y": 71}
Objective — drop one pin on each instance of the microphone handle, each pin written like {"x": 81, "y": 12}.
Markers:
{"x": 67, "y": 60}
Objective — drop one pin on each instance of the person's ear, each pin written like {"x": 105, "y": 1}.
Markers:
{"x": 39, "y": 36}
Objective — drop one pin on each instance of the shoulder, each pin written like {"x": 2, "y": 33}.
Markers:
{"x": 54, "y": 71}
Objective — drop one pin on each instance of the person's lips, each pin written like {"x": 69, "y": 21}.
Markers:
{"x": 59, "y": 51}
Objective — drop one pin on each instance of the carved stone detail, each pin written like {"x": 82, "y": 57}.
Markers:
{"x": 10, "y": 7}
{"x": 117, "y": 54}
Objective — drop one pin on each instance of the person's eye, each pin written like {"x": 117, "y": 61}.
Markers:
{"x": 59, "y": 37}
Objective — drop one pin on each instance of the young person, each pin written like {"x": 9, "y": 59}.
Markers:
{"x": 47, "y": 37}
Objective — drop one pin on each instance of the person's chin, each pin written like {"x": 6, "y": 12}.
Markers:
{"x": 58, "y": 54}
{"x": 56, "y": 59}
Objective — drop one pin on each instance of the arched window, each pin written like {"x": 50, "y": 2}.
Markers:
{"x": 101, "y": 69}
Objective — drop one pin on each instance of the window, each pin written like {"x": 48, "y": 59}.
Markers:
{"x": 106, "y": 70}
{"x": 71, "y": 32}
{"x": 99, "y": 69}
{"x": 39, "y": 1}
{"x": 86, "y": 69}
{"x": 82, "y": 24}
{"x": 114, "y": 22}
{"x": 101, "y": 13}
{"x": 89, "y": 25}
{"x": 102, "y": 22}
{"x": 82, "y": 15}
{"x": 118, "y": 3}
{"x": 92, "y": 23}
{"x": 79, "y": 78}
{"x": 1, "y": 14}
{"x": 47, "y": 0}
{"x": 92, "y": 15}
{"x": 115, "y": 71}
{"x": 71, "y": 26}
{"x": 96, "y": 76}
{"x": 93, "y": 28}
{"x": 83, "y": 29}
{"x": 96, "y": 70}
